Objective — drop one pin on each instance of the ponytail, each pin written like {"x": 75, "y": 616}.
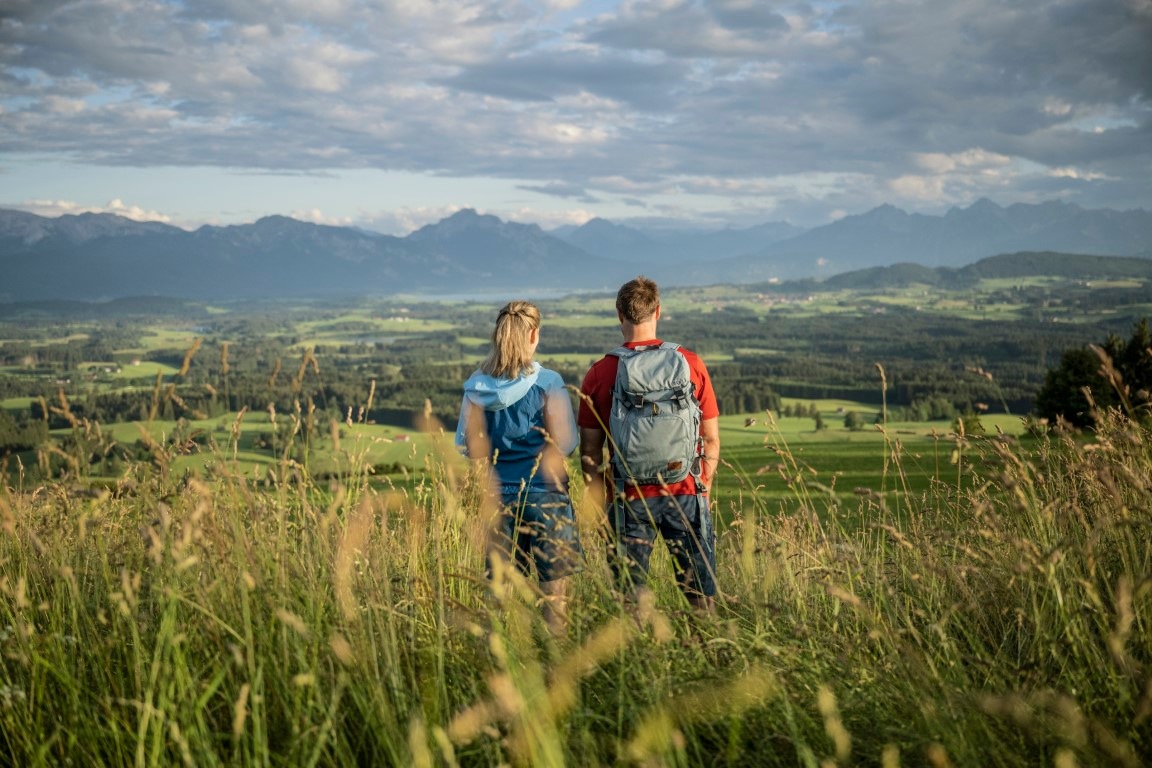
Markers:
{"x": 511, "y": 353}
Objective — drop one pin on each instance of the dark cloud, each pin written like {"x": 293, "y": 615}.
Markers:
{"x": 989, "y": 60}
{"x": 563, "y": 190}
{"x": 692, "y": 29}
{"x": 29, "y": 11}
{"x": 545, "y": 76}
{"x": 746, "y": 15}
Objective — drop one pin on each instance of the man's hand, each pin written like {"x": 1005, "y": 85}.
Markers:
{"x": 710, "y": 442}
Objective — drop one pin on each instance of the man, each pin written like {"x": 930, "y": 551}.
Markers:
{"x": 677, "y": 510}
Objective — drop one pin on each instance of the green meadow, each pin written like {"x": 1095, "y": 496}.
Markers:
{"x": 898, "y": 460}
{"x": 267, "y": 551}
{"x": 207, "y": 615}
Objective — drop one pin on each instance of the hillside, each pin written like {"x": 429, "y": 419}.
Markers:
{"x": 1069, "y": 266}
{"x": 888, "y": 235}
{"x": 102, "y": 256}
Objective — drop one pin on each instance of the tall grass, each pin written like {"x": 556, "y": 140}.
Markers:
{"x": 215, "y": 620}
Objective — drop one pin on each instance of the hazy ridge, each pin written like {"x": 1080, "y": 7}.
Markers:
{"x": 103, "y": 256}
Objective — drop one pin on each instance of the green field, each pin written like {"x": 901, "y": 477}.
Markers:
{"x": 266, "y": 618}
{"x": 138, "y": 369}
{"x": 356, "y": 328}
{"x": 160, "y": 338}
{"x": 896, "y": 464}
{"x": 301, "y": 579}
{"x": 416, "y": 349}
{"x": 765, "y": 458}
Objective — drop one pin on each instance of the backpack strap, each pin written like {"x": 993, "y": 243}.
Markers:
{"x": 623, "y": 351}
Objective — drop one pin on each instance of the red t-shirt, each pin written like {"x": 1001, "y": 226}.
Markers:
{"x": 598, "y": 383}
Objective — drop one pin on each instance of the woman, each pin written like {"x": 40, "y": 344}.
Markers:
{"x": 517, "y": 415}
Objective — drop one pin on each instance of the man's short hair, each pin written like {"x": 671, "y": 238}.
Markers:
{"x": 638, "y": 299}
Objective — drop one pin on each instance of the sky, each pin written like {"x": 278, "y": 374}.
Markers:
{"x": 392, "y": 114}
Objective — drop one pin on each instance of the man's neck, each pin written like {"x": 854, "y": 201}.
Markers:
{"x": 638, "y": 332}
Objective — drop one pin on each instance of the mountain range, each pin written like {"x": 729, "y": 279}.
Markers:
{"x": 103, "y": 256}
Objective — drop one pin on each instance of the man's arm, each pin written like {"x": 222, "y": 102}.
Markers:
{"x": 710, "y": 440}
{"x": 592, "y": 463}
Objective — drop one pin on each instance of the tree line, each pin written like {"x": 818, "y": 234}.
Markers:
{"x": 936, "y": 367}
{"x": 1114, "y": 374}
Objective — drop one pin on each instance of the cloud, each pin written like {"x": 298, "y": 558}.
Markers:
{"x": 316, "y": 216}
{"x": 953, "y": 179}
{"x": 746, "y": 15}
{"x": 545, "y": 219}
{"x": 401, "y": 221}
{"x": 547, "y": 76}
{"x": 687, "y": 29}
{"x": 1072, "y": 173}
{"x": 802, "y": 109}
{"x": 562, "y": 190}
{"x": 971, "y": 160}
{"x": 116, "y": 206}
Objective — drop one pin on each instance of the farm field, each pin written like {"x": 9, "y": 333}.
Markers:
{"x": 902, "y": 459}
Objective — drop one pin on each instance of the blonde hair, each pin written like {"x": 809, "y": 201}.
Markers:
{"x": 511, "y": 353}
{"x": 638, "y": 299}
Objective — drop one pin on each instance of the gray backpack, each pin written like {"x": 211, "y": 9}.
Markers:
{"x": 655, "y": 419}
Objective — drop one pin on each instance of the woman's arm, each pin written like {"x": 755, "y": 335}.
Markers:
{"x": 471, "y": 435}
{"x": 559, "y": 420}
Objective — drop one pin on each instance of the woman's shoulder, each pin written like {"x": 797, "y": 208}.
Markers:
{"x": 549, "y": 379}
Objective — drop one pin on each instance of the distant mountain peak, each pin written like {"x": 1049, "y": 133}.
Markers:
{"x": 277, "y": 221}
{"x": 468, "y": 220}
{"x": 601, "y": 223}
{"x": 599, "y": 227}
{"x": 75, "y": 228}
{"x": 984, "y": 204}
{"x": 887, "y": 209}
{"x": 470, "y": 217}
{"x": 884, "y": 215}
{"x": 95, "y": 216}
{"x": 463, "y": 219}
